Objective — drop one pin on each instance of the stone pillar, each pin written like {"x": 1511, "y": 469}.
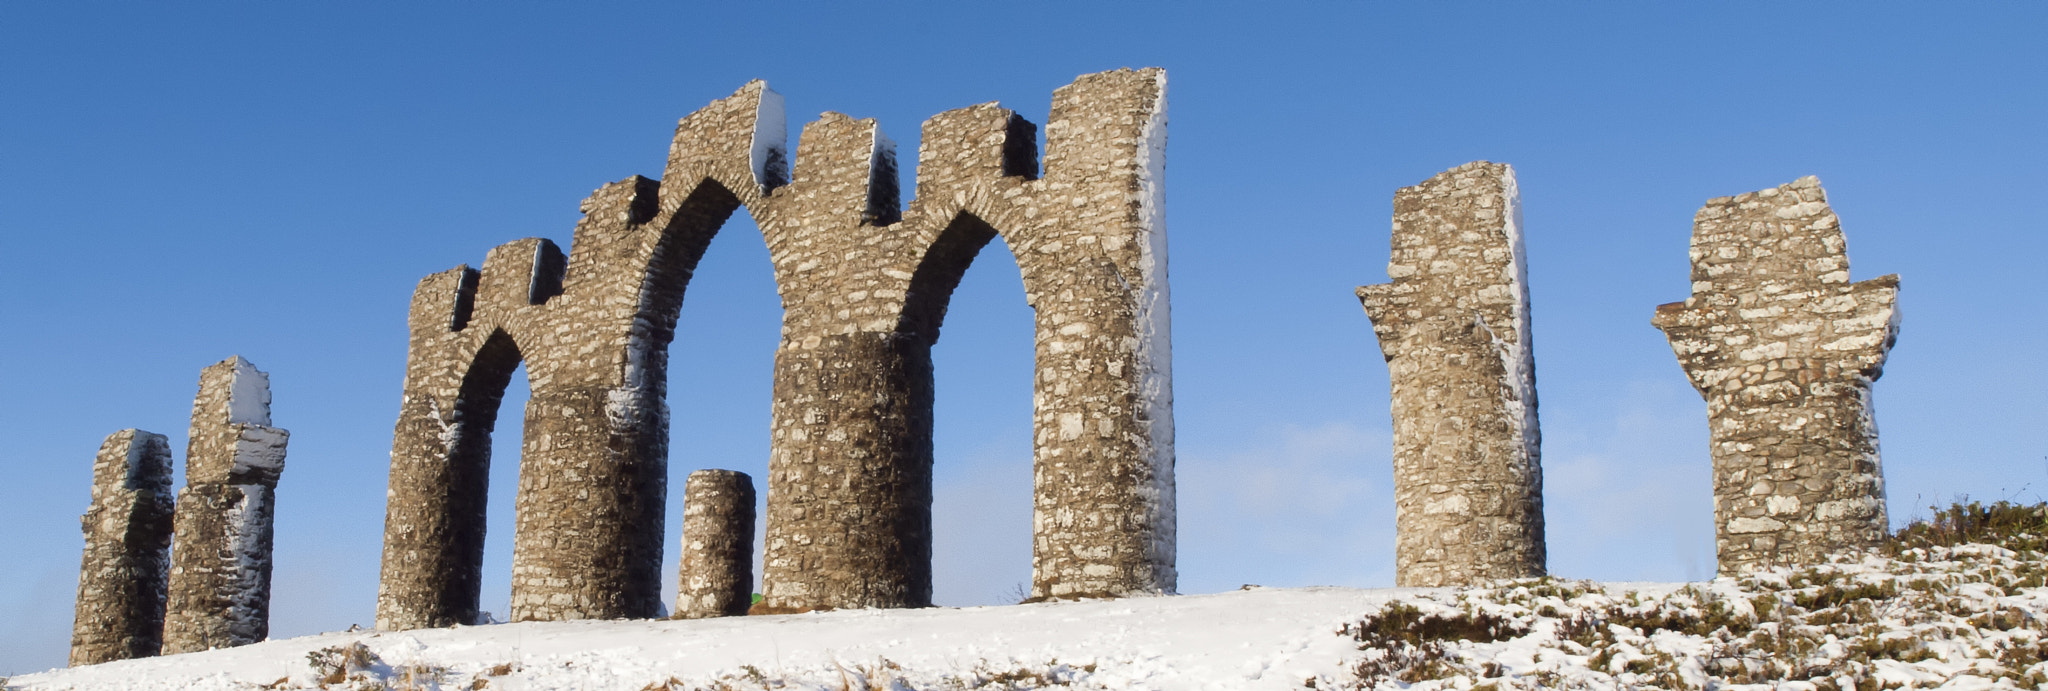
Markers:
{"x": 1093, "y": 253}
{"x": 122, "y": 579}
{"x": 716, "y": 578}
{"x": 1454, "y": 327}
{"x": 1784, "y": 350}
{"x": 220, "y": 563}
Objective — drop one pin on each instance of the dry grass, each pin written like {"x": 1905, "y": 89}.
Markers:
{"x": 1956, "y": 591}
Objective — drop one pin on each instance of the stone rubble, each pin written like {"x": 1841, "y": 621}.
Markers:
{"x": 1784, "y": 350}
{"x": 1454, "y": 327}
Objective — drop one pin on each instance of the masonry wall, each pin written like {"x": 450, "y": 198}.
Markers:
{"x": 864, "y": 285}
{"x": 1454, "y": 327}
{"x": 1784, "y": 348}
{"x": 123, "y": 577}
{"x": 221, "y": 559}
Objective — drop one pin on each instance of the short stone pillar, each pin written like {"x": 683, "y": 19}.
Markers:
{"x": 1454, "y": 327}
{"x": 717, "y": 573}
{"x": 1784, "y": 349}
{"x": 220, "y": 563}
{"x": 121, "y": 580}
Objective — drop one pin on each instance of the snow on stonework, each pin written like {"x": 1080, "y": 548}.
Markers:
{"x": 1968, "y": 617}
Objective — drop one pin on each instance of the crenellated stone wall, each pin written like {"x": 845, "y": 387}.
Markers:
{"x": 864, "y": 285}
{"x": 123, "y": 576}
{"x": 221, "y": 557}
{"x": 716, "y": 573}
{"x": 1454, "y": 327}
{"x": 1784, "y": 350}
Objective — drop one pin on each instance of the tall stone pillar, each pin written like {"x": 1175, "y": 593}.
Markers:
{"x": 122, "y": 579}
{"x": 716, "y": 578}
{"x": 220, "y": 563}
{"x": 1784, "y": 350}
{"x": 1454, "y": 327}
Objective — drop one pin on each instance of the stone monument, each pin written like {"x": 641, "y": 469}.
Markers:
{"x": 220, "y": 559}
{"x": 1784, "y": 349}
{"x": 123, "y": 577}
{"x": 1454, "y": 327}
{"x": 864, "y": 285}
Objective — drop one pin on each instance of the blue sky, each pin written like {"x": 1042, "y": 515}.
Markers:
{"x": 182, "y": 183}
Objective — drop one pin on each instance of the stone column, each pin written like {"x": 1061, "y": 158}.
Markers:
{"x": 220, "y": 563}
{"x": 122, "y": 579}
{"x": 1094, "y": 256}
{"x": 1454, "y": 327}
{"x": 716, "y": 578}
{"x": 1784, "y": 350}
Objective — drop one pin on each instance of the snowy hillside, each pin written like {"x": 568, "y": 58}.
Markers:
{"x": 1966, "y": 617}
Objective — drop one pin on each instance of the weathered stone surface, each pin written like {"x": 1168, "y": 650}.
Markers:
{"x": 123, "y": 576}
{"x": 1454, "y": 327}
{"x": 1784, "y": 349}
{"x": 220, "y": 562}
{"x": 864, "y": 289}
{"x": 716, "y": 576}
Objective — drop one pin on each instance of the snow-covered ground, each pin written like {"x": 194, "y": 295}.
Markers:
{"x": 1262, "y": 638}
{"x": 1971, "y": 617}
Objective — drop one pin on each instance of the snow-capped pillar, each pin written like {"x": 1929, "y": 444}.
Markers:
{"x": 1454, "y": 327}
{"x": 123, "y": 576}
{"x": 220, "y": 562}
{"x": 1091, "y": 241}
{"x": 1784, "y": 349}
{"x": 716, "y": 578}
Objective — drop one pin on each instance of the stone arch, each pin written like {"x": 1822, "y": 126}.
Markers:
{"x": 593, "y": 328}
{"x": 850, "y": 471}
{"x": 469, "y": 465}
{"x": 939, "y": 273}
{"x": 848, "y": 525}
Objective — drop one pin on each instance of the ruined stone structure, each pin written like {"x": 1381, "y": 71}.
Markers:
{"x": 864, "y": 285}
{"x": 716, "y": 577}
{"x": 220, "y": 562}
{"x": 123, "y": 576}
{"x": 1454, "y": 327}
{"x": 1784, "y": 349}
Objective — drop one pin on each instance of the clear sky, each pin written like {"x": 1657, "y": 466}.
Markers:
{"x": 179, "y": 183}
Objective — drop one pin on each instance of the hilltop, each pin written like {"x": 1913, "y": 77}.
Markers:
{"x": 1960, "y": 602}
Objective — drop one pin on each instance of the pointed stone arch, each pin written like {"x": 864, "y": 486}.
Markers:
{"x": 850, "y": 470}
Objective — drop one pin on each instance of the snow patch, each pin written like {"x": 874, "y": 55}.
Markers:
{"x": 260, "y": 448}
{"x": 1966, "y": 617}
{"x": 770, "y": 152}
{"x": 1155, "y": 321}
{"x": 248, "y": 394}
